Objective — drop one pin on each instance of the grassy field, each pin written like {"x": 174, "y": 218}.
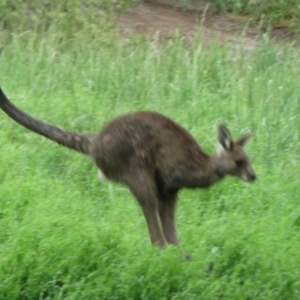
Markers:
{"x": 64, "y": 235}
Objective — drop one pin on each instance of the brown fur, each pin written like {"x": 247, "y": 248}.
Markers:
{"x": 153, "y": 156}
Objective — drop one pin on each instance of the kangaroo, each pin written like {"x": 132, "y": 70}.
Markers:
{"x": 152, "y": 155}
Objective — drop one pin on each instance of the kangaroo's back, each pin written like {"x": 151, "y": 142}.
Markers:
{"x": 144, "y": 136}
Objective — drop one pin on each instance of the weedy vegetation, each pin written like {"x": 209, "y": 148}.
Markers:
{"x": 265, "y": 13}
{"x": 64, "y": 235}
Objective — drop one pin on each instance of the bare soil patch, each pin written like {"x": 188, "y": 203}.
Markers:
{"x": 163, "y": 18}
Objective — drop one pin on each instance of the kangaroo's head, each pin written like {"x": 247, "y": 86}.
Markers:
{"x": 231, "y": 158}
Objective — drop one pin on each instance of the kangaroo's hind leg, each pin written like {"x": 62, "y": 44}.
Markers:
{"x": 167, "y": 207}
{"x": 142, "y": 185}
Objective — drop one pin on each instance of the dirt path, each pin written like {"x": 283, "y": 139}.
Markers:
{"x": 153, "y": 18}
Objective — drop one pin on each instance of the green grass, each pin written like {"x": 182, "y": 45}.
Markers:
{"x": 265, "y": 13}
{"x": 65, "y": 236}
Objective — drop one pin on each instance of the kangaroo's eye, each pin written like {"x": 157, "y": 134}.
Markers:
{"x": 239, "y": 163}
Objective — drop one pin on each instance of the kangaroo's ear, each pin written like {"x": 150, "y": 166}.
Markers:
{"x": 224, "y": 137}
{"x": 243, "y": 141}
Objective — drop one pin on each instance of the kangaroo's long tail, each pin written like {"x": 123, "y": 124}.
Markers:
{"x": 72, "y": 140}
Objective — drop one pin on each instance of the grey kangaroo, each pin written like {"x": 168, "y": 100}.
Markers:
{"x": 154, "y": 156}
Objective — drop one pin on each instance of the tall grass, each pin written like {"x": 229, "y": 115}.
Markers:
{"x": 65, "y": 236}
{"x": 67, "y": 19}
{"x": 265, "y": 13}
